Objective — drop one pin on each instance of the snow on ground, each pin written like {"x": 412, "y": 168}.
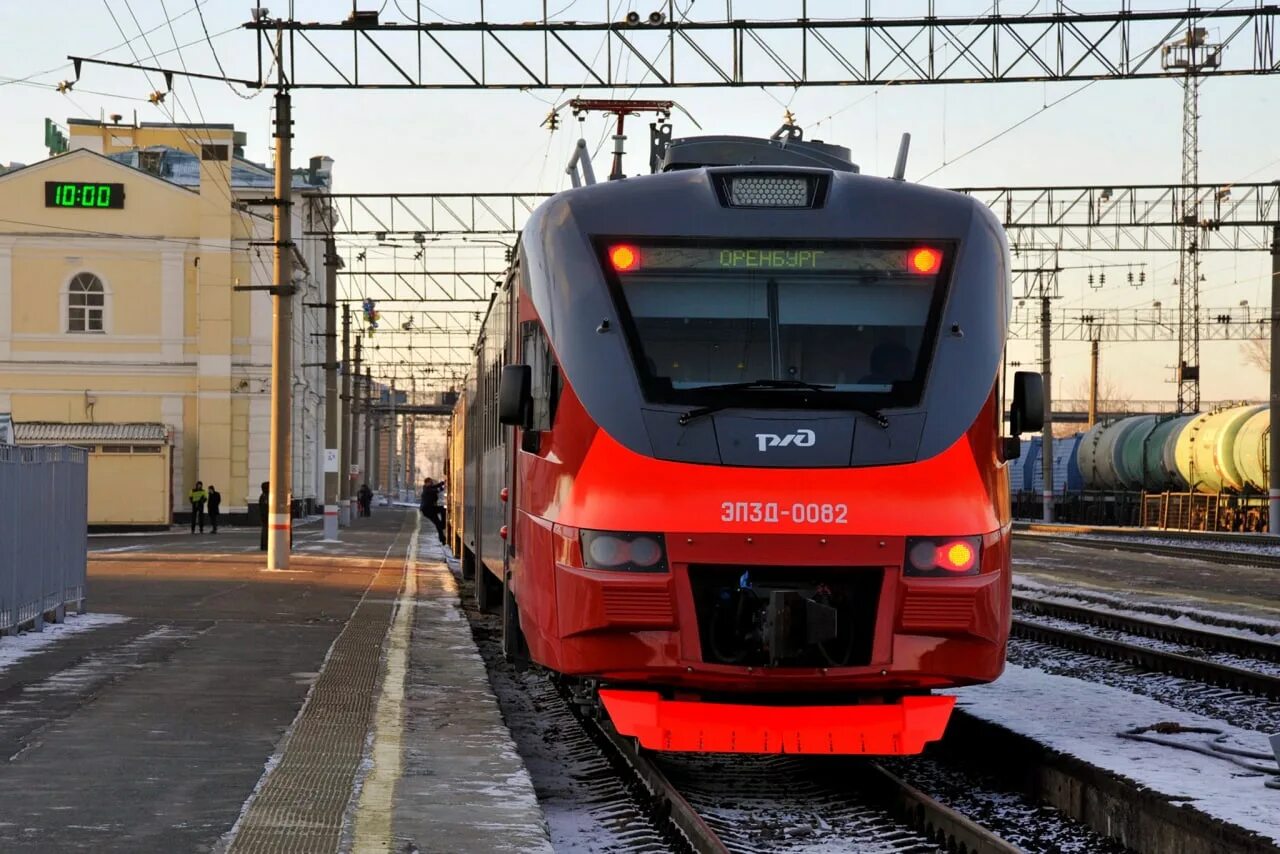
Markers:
{"x": 1148, "y": 606}
{"x": 17, "y": 647}
{"x": 1082, "y": 719}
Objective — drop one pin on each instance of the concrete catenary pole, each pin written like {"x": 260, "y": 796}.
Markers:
{"x": 344, "y": 426}
{"x": 1273, "y": 457}
{"x": 279, "y": 519}
{"x": 1093, "y": 382}
{"x": 393, "y": 471}
{"x": 369, "y": 473}
{"x": 358, "y": 418}
{"x": 1046, "y": 435}
{"x": 332, "y": 454}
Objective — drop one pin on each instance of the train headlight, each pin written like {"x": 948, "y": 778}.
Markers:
{"x": 943, "y": 557}
{"x": 623, "y": 551}
{"x": 769, "y": 191}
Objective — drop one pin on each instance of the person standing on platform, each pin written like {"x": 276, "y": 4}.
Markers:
{"x": 365, "y": 499}
{"x": 197, "y": 496}
{"x": 430, "y": 505}
{"x": 264, "y": 500}
{"x": 215, "y": 506}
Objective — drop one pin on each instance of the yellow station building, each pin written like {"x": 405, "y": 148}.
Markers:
{"x": 121, "y": 329}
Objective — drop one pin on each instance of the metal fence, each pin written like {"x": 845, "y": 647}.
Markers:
{"x": 44, "y": 510}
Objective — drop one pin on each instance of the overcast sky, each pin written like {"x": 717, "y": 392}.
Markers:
{"x": 1122, "y": 132}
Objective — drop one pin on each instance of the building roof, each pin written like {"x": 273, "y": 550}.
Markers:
{"x": 183, "y": 168}
{"x": 56, "y": 433}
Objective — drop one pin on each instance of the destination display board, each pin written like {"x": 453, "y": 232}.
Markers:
{"x": 757, "y": 258}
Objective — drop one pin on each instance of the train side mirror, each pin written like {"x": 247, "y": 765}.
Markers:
{"x": 1011, "y": 449}
{"x": 1027, "y": 413}
{"x": 514, "y": 395}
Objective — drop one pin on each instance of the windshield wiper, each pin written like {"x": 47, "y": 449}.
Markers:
{"x": 776, "y": 385}
{"x": 750, "y": 385}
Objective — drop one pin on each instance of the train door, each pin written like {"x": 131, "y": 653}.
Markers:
{"x": 495, "y": 467}
{"x": 471, "y": 466}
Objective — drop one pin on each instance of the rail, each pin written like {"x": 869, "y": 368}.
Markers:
{"x": 950, "y": 830}
{"x": 1232, "y": 557}
{"x": 1154, "y": 660}
{"x": 43, "y": 534}
{"x": 1260, "y": 650}
{"x": 699, "y": 834}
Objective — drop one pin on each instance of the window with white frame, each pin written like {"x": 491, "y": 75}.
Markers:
{"x": 86, "y": 304}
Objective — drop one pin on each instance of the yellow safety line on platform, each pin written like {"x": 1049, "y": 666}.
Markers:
{"x": 377, "y": 797}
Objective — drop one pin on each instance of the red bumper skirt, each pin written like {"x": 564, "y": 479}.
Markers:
{"x": 684, "y": 726}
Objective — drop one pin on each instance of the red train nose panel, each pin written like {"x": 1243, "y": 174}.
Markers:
{"x": 679, "y": 725}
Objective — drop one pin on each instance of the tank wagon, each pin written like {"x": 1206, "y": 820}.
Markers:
{"x": 731, "y": 453}
{"x": 1223, "y": 453}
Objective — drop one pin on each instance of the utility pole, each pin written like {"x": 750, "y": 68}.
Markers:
{"x": 1192, "y": 56}
{"x": 1093, "y": 382}
{"x": 280, "y": 518}
{"x": 1273, "y": 456}
{"x": 1046, "y": 434}
{"x": 346, "y": 409}
{"x": 393, "y": 480}
{"x": 358, "y": 418}
{"x": 369, "y": 434}
{"x": 411, "y": 440}
{"x": 332, "y": 454}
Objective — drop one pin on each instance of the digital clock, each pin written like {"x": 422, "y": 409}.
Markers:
{"x": 79, "y": 194}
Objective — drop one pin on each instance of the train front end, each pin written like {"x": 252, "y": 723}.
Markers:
{"x": 760, "y": 502}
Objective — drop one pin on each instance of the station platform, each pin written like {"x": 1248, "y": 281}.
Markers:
{"x": 338, "y": 706}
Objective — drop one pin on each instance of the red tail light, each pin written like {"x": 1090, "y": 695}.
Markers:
{"x": 957, "y": 556}
{"x": 624, "y": 257}
{"x": 943, "y": 557}
{"x": 924, "y": 261}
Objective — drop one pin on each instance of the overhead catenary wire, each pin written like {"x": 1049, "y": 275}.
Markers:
{"x": 218, "y": 60}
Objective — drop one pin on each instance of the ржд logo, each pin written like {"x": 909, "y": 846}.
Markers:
{"x": 800, "y": 438}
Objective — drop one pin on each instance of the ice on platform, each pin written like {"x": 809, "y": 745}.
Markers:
{"x": 1083, "y": 719}
{"x": 14, "y": 648}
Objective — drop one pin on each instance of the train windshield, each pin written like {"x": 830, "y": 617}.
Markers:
{"x": 843, "y": 324}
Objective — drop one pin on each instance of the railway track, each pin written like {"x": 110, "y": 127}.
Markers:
{"x": 892, "y": 814}
{"x": 1234, "y": 557}
{"x": 1210, "y": 555}
{"x": 1256, "y": 682}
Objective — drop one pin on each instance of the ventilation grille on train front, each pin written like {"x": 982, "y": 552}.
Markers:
{"x": 765, "y": 190}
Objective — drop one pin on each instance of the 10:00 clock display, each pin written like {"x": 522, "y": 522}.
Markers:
{"x": 79, "y": 194}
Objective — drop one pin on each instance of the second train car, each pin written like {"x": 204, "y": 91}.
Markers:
{"x": 731, "y": 450}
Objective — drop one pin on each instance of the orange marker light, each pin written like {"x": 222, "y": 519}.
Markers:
{"x": 956, "y": 557}
{"x": 924, "y": 261}
{"x": 624, "y": 257}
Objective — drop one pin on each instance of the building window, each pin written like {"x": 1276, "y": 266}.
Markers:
{"x": 86, "y": 304}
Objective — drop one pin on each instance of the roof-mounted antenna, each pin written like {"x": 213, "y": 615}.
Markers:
{"x": 900, "y": 168}
{"x": 583, "y": 157}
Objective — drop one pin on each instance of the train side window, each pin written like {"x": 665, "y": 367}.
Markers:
{"x": 536, "y": 353}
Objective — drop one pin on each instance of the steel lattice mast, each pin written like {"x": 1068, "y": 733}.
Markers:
{"x": 1192, "y": 55}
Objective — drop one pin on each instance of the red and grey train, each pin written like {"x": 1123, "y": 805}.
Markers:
{"x": 730, "y": 456}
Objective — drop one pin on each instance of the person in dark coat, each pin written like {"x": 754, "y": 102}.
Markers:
{"x": 197, "y": 496}
{"x": 215, "y": 506}
{"x": 430, "y": 504}
{"x": 365, "y": 499}
{"x": 264, "y": 501}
